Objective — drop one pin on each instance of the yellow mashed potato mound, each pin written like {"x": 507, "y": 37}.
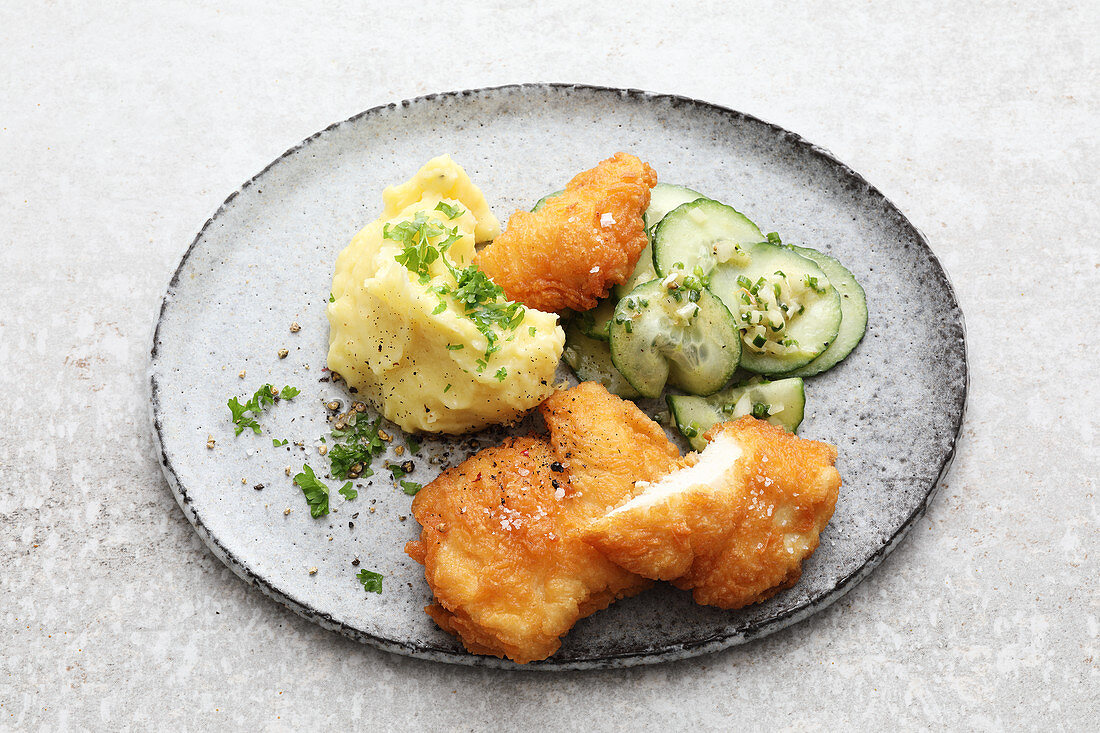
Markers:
{"x": 398, "y": 333}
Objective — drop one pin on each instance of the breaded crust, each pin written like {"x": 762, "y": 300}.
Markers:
{"x": 607, "y": 444}
{"x": 499, "y": 534}
{"x": 743, "y": 535}
{"x": 579, "y": 244}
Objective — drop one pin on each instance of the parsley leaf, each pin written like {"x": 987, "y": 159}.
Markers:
{"x": 331, "y": 298}
{"x": 452, "y": 212}
{"x": 316, "y": 491}
{"x": 264, "y": 397}
{"x": 372, "y": 581}
{"x": 240, "y": 419}
{"x": 397, "y": 470}
{"x": 424, "y": 241}
{"x": 412, "y": 444}
{"x": 415, "y": 236}
{"x": 347, "y": 492}
{"x": 278, "y": 443}
{"x": 411, "y": 487}
{"x": 501, "y": 374}
{"x": 359, "y": 447}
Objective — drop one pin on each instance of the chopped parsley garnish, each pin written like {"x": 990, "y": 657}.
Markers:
{"x": 277, "y": 443}
{"x": 424, "y": 241}
{"x": 760, "y": 410}
{"x": 360, "y": 444}
{"x": 331, "y": 298}
{"x": 240, "y": 419}
{"x": 412, "y": 444}
{"x": 264, "y": 397}
{"x": 452, "y": 212}
{"x": 411, "y": 487}
{"x": 531, "y": 330}
{"x": 416, "y": 235}
{"x": 315, "y": 490}
{"x": 501, "y": 374}
{"x": 372, "y": 581}
{"x": 397, "y": 470}
{"x": 347, "y": 492}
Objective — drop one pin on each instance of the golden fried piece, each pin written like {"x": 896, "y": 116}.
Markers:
{"x": 500, "y": 542}
{"x": 735, "y": 522}
{"x": 579, "y": 244}
{"x": 606, "y": 444}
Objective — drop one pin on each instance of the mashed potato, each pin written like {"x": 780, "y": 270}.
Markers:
{"x": 428, "y": 341}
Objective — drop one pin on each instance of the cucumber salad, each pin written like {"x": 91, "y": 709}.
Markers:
{"x": 713, "y": 300}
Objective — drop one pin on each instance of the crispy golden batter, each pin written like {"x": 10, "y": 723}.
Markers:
{"x": 579, "y": 244}
{"x": 607, "y": 444}
{"x": 735, "y": 522}
{"x": 500, "y": 541}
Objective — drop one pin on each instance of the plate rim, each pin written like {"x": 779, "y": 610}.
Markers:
{"x": 669, "y": 652}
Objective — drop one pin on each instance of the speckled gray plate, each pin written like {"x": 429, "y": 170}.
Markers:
{"x": 265, "y": 259}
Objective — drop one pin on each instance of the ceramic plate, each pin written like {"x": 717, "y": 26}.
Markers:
{"x": 265, "y": 260}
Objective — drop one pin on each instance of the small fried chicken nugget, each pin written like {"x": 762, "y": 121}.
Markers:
{"x": 579, "y": 244}
{"x": 499, "y": 535}
{"x": 735, "y": 522}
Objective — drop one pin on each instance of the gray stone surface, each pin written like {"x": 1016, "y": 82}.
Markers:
{"x": 122, "y": 127}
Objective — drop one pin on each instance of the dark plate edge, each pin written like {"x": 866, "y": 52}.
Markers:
{"x": 627, "y": 659}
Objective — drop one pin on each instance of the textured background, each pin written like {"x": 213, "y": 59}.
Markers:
{"x": 122, "y": 127}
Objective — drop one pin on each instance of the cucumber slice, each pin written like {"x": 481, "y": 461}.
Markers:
{"x": 590, "y": 360}
{"x": 853, "y": 306}
{"x": 594, "y": 323}
{"x": 788, "y": 311}
{"x": 702, "y": 233}
{"x": 662, "y": 199}
{"x": 692, "y": 342}
{"x": 540, "y": 202}
{"x": 781, "y": 403}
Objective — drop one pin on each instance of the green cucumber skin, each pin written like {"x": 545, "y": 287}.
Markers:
{"x": 765, "y": 258}
{"x": 590, "y": 360}
{"x": 664, "y": 198}
{"x": 648, "y": 369}
{"x": 707, "y": 411}
{"x": 678, "y": 223}
{"x": 595, "y": 323}
{"x": 660, "y": 198}
{"x": 853, "y": 307}
{"x": 540, "y": 202}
